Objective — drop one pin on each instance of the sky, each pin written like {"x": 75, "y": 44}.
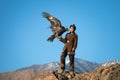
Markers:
{"x": 24, "y": 31}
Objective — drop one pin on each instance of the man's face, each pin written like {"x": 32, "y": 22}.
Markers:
{"x": 71, "y": 29}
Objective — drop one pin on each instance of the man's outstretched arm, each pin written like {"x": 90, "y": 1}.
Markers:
{"x": 64, "y": 40}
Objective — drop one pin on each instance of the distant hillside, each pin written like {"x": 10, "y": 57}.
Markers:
{"x": 48, "y": 66}
{"x": 80, "y": 66}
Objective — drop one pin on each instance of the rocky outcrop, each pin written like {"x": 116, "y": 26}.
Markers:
{"x": 102, "y": 73}
{"x": 46, "y": 75}
{"x": 111, "y": 72}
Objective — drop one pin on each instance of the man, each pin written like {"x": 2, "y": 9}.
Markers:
{"x": 70, "y": 41}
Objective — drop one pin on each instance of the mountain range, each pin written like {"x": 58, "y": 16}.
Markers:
{"x": 29, "y": 73}
{"x": 80, "y": 66}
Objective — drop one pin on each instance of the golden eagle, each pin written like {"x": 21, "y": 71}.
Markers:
{"x": 55, "y": 26}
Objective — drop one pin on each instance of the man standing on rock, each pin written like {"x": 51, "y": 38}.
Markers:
{"x": 70, "y": 41}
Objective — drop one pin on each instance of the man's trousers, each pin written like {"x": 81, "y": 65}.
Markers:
{"x": 71, "y": 59}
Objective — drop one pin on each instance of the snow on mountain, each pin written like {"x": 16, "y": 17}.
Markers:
{"x": 53, "y": 66}
{"x": 111, "y": 62}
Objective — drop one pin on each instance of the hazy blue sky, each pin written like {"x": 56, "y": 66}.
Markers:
{"x": 23, "y": 31}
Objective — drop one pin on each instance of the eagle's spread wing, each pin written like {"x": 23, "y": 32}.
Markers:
{"x": 55, "y": 23}
{"x": 56, "y": 26}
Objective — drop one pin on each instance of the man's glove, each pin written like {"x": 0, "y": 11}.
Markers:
{"x": 73, "y": 49}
